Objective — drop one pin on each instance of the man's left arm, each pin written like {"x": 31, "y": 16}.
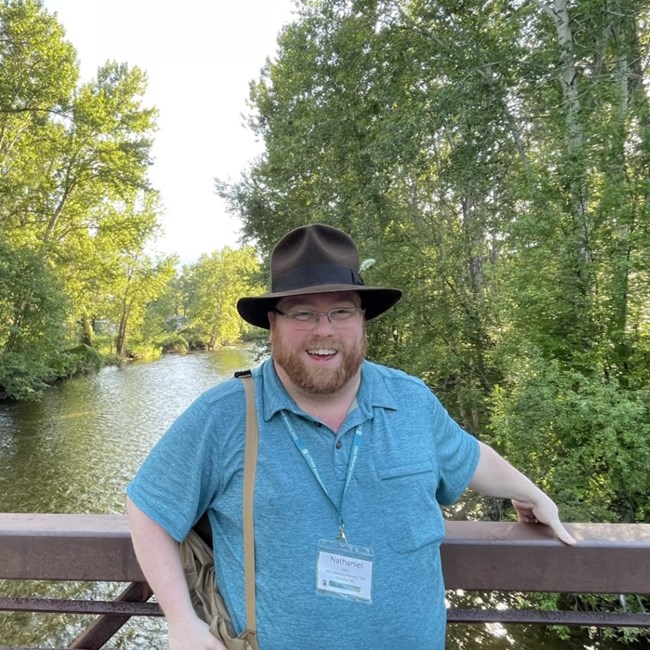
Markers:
{"x": 496, "y": 477}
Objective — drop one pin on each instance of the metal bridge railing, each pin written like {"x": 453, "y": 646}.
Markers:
{"x": 476, "y": 556}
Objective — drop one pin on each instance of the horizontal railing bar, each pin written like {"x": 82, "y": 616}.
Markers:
{"x": 547, "y": 617}
{"x": 454, "y": 614}
{"x": 488, "y": 556}
{"x": 61, "y": 606}
{"x": 67, "y": 547}
{"x": 491, "y": 556}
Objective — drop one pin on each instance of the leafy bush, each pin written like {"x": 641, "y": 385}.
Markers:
{"x": 584, "y": 439}
{"x": 174, "y": 344}
{"x": 21, "y": 377}
{"x": 195, "y": 339}
{"x": 80, "y": 360}
{"x": 24, "y": 376}
{"x": 142, "y": 352}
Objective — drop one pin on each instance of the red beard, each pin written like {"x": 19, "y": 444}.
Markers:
{"x": 315, "y": 380}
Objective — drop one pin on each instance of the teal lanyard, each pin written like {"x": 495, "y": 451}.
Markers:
{"x": 352, "y": 463}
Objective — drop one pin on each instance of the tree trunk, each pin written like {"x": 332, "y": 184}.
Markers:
{"x": 120, "y": 341}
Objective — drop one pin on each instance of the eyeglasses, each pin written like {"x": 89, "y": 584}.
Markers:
{"x": 307, "y": 318}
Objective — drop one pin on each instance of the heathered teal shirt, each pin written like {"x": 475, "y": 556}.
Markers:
{"x": 413, "y": 458}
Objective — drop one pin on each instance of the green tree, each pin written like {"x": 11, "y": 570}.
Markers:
{"x": 492, "y": 158}
{"x": 131, "y": 278}
{"x": 144, "y": 281}
{"x": 32, "y": 311}
{"x": 214, "y": 284}
{"x": 74, "y": 162}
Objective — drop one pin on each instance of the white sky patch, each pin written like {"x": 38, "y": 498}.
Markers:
{"x": 200, "y": 56}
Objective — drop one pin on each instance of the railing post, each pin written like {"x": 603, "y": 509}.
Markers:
{"x": 103, "y": 629}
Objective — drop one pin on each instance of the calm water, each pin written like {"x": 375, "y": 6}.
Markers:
{"x": 75, "y": 451}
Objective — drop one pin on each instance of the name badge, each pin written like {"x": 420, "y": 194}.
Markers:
{"x": 344, "y": 571}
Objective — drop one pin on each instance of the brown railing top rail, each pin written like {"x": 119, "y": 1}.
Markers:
{"x": 609, "y": 558}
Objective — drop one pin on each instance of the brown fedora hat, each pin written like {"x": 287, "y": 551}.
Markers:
{"x": 315, "y": 259}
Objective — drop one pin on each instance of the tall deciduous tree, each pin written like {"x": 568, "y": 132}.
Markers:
{"x": 73, "y": 159}
{"x": 131, "y": 277}
{"x": 492, "y": 157}
{"x": 213, "y": 285}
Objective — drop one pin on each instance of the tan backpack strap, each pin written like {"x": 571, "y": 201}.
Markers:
{"x": 250, "y": 466}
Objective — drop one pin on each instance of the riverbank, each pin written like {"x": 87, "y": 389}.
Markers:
{"x": 23, "y": 378}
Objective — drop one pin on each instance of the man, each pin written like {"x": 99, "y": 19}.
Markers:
{"x": 354, "y": 462}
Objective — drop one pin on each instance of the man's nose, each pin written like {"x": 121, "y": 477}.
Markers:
{"x": 323, "y": 323}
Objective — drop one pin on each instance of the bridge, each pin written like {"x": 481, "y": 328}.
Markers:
{"x": 476, "y": 556}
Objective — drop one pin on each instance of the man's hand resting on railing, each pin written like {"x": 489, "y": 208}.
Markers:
{"x": 544, "y": 513}
{"x": 496, "y": 477}
{"x": 192, "y": 635}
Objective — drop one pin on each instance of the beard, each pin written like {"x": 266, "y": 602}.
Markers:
{"x": 314, "y": 380}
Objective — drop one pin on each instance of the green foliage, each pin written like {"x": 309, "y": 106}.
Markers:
{"x": 32, "y": 313}
{"x": 173, "y": 343}
{"x": 76, "y": 210}
{"x": 584, "y": 439}
{"x": 80, "y": 360}
{"x": 212, "y": 286}
{"x": 137, "y": 351}
{"x": 32, "y": 302}
{"x": 21, "y": 376}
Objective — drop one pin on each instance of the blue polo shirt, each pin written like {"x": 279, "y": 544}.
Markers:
{"x": 413, "y": 458}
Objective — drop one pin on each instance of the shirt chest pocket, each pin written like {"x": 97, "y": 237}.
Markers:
{"x": 412, "y": 517}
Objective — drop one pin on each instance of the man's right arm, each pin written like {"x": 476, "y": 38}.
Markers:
{"x": 158, "y": 555}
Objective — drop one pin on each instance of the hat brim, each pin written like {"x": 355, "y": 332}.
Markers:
{"x": 375, "y": 300}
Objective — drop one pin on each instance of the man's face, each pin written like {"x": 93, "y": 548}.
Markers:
{"x": 319, "y": 358}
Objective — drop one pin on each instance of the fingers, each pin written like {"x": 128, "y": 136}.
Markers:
{"x": 193, "y": 634}
{"x": 562, "y": 533}
{"x": 528, "y": 514}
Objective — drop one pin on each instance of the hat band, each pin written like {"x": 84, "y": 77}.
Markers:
{"x": 302, "y": 277}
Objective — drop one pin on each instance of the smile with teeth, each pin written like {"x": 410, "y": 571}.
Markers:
{"x": 322, "y": 352}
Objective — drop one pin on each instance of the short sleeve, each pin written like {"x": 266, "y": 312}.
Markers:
{"x": 170, "y": 486}
{"x": 457, "y": 453}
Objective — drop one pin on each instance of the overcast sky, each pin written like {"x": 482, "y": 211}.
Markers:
{"x": 200, "y": 56}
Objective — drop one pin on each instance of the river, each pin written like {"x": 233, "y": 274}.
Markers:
{"x": 75, "y": 450}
